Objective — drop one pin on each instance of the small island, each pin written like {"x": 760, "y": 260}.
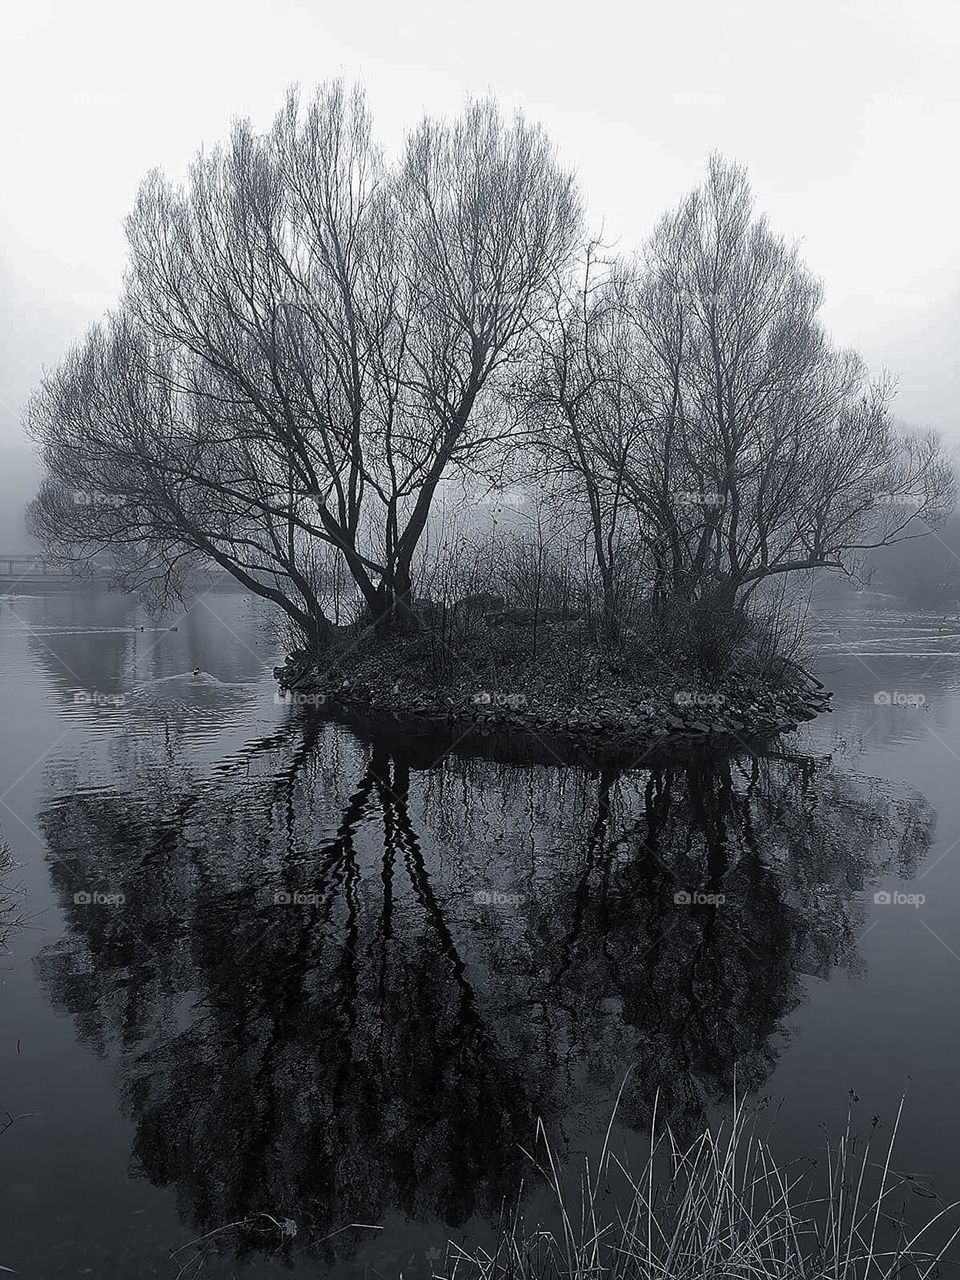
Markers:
{"x": 495, "y": 685}
{"x": 485, "y": 472}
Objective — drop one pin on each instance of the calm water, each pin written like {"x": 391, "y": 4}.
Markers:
{"x": 271, "y": 967}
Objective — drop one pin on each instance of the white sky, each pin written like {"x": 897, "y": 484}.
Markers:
{"x": 847, "y": 113}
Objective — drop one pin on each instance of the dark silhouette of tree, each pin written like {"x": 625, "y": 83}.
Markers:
{"x": 697, "y": 389}
{"x": 308, "y": 346}
{"x": 384, "y": 1040}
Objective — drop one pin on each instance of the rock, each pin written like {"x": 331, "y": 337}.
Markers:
{"x": 481, "y": 699}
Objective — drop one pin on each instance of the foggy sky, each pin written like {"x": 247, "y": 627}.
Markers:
{"x": 846, "y": 114}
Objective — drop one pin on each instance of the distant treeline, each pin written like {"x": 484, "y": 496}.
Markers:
{"x": 922, "y": 572}
{"x": 20, "y": 476}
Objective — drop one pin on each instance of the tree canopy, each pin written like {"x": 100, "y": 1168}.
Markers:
{"x": 312, "y": 341}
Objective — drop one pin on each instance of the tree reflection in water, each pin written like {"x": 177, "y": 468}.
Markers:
{"x": 387, "y": 1039}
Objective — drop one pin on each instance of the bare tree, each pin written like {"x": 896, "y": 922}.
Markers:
{"x": 310, "y": 341}
{"x": 313, "y": 343}
{"x": 698, "y": 387}
{"x": 776, "y": 453}
{"x": 579, "y": 402}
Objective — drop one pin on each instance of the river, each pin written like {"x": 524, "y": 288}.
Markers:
{"x": 265, "y": 977}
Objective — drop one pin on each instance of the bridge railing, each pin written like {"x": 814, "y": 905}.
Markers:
{"x": 25, "y": 566}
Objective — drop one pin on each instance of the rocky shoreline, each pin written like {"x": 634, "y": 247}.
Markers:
{"x": 606, "y": 721}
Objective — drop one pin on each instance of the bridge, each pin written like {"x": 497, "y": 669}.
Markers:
{"x": 26, "y": 570}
